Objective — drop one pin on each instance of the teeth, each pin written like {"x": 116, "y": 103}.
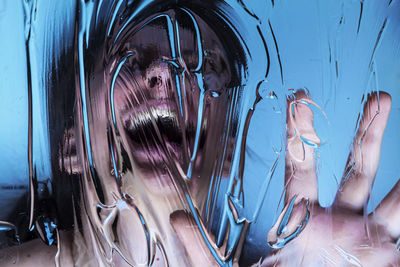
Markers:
{"x": 140, "y": 118}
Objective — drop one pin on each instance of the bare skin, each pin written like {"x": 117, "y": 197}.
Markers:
{"x": 340, "y": 235}
{"x": 37, "y": 253}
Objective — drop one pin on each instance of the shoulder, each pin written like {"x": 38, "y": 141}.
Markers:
{"x": 37, "y": 253}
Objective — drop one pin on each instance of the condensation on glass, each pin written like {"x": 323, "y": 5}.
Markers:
{"x": 192, "y": 133}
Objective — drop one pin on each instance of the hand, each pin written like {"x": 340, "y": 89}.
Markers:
{"x": 307, "y": 234}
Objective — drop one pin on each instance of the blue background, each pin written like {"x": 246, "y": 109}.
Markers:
{"x": 320, "y": 48}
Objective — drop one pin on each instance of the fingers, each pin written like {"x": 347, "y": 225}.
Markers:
{"x": 388, "y": 212}
{"x": 300, "y": 174}
{"x": 290, "y": 223}
{"x": 189, "y": 234}
{"x": 363, "y": 160}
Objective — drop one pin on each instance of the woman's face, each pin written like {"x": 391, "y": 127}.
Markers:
{"x": 171, "y": 100}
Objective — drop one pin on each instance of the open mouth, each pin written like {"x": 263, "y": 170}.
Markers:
{"x": 153, "y": 128}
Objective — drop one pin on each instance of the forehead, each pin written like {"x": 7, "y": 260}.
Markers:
{"x": 175, "y": 34}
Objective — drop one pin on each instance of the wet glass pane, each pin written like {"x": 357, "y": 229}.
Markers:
{"x": 199, "y": 133}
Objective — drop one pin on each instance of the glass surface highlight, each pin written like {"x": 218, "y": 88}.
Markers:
{"x": 199, "y": 133}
